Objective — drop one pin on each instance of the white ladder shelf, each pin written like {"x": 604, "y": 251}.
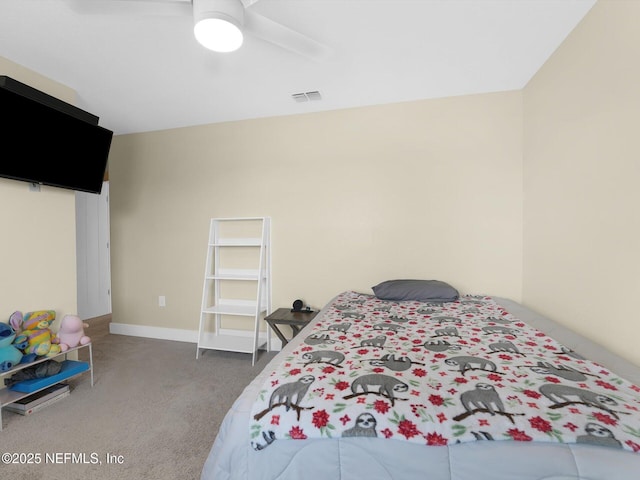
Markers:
{"x": 240, "y": 267}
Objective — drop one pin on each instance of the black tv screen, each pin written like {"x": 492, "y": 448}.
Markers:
{"x": 46, "y": 141}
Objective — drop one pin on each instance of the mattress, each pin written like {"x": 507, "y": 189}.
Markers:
{"x": 250, "y": 445}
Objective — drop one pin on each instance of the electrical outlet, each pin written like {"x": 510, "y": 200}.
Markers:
{"x": 162, "y": 301}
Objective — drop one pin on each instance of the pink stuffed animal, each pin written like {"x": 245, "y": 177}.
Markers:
{"x": 71, "y": 332}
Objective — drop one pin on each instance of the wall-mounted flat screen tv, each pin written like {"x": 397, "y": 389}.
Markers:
{"x": 44, "y": 140}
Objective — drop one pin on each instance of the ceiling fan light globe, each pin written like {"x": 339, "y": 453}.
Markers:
{"x": 218, "y": 34}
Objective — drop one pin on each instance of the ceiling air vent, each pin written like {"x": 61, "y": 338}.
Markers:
{"x": 307, "y": 96}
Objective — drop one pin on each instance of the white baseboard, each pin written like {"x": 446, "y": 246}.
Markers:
{"x": 161, "y": 333}
{"x": 176, "y": 334}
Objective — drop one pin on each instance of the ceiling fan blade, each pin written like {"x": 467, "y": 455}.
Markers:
{"x": 164, "y": 8}
{"x": 248, "y": 3}
{"x": 278, "y": 34}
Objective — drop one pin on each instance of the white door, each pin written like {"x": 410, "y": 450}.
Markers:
{"x": 92, "y": 253}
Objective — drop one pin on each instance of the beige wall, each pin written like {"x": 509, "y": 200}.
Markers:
{"x": 428, "y": 189}
{"x": 582, "y": 173}
{"x": 38, "y": 240}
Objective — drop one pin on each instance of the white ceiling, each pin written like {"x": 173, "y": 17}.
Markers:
{"x": 142, "y": 70}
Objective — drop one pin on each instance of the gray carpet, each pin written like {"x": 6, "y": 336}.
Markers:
{"x": 153, "y": 407}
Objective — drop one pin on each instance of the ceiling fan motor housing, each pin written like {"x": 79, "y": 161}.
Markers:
{"x": 230, "y": 10}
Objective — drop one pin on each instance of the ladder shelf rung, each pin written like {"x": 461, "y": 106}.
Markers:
{"x": 236, "y": 242}
{"x": 243, "y": 310}
{"x": 236, "y": 274}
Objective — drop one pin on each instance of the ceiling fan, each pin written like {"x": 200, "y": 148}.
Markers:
{"x": 219, "y": 25}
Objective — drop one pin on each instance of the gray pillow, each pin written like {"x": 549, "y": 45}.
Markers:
{"x": 419, "y": 290}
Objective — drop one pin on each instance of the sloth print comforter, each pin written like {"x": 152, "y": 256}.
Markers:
{"x": 439, "y": 374}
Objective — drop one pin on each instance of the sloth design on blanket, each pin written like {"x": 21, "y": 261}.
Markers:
{"x": 438, "y": 374}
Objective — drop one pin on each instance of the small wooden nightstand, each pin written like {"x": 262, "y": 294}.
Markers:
{"x": 284, "y": 316}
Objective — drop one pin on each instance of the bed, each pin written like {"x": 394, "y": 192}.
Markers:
{"x": 433, "y": 387}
